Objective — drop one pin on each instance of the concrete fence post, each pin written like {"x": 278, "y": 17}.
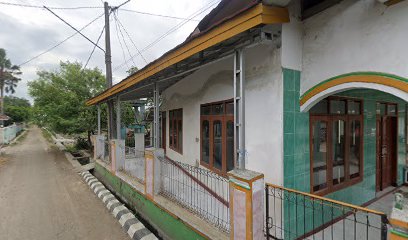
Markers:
{"x": 139, "y": 142}
{"x": 152, "y": 171}
{"x": 1, "y": 135}
{"x": 117, "y": 154}
{"x": 99, "y": 147}
{"x": 246, "y": 204}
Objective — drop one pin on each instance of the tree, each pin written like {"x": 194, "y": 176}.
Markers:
{"x": 132, "y": 70}
{"x": 8, "y": 77}
{"x": 60, "y": 96}
{"x": 18, "y": 109}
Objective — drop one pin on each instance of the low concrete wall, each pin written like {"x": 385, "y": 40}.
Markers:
{"x": 167, "y": 225}
{"x": 7, "y": 134}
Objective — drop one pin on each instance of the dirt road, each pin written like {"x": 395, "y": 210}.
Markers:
{"x": 41, "y": 197}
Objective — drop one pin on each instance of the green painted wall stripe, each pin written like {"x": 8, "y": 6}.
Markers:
{"x": 399, "y": 233}
{"x": 168, "y": 225}
{"x": 391, "y": 76}
{"x": 237, "y": 182}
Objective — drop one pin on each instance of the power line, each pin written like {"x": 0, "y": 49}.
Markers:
{"x": 131, "y": 40}
{"x": 60, "y": 43}
{"x": 94, "y": 47}
{"x": 120, "y": 5}
{"x": 156, "y": 15}
{"x": 120, "y": 43}
{"x": 123, "y": 38}
{"x": 56, "y": 8}
{"x": 92, "y": 7}
{"x": 171, "y": 30}
{"x": 74, "y": 29}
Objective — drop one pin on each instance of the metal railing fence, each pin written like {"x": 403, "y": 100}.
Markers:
{"x": 199, "y": 190}
{"x": 291, "y": 214}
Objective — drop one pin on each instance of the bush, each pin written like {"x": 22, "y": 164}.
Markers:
{"x": 82, "y": 143}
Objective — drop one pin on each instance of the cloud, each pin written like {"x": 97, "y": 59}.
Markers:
{"x": 26, "y": 32}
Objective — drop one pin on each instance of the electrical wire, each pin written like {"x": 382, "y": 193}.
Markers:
{"x": 120, "y": 5}
{"x": 56, "y": 8}
{"x": 156, "y": 15}
{"x": 123, "y": 38}
{"x": 92, "y": 7}
{"x": 60, "y": 43}
{"x": 171, "y": 30}
{"x": 93, "y": 50}
{"x": 120, "y": 43}
{"x": 83, "y": 35}
{"x": 130, "y": 38}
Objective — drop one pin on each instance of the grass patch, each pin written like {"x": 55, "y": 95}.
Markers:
{"x": 47, "y": 135}
{"x": 71, "y": 148}
{"x": 3, "y": 161}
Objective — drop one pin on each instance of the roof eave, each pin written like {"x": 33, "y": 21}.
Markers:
{"x": 258, "y": 15}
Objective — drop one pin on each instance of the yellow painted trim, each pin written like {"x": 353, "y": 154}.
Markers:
{"x": 392, "y": 2}
{"x": 258, "y": 15}
{"x": 113, "y": 160}
{"x": 399, "y": 223}
{"x": 249, "y": 214}
{"x": 368, "y": 78}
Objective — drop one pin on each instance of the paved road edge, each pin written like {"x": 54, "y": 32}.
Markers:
{"x": 134, "y": 228}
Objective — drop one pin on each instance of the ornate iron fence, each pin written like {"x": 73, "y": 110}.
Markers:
{"x": 292, "y": 214}
{"x": 201, "y": 191}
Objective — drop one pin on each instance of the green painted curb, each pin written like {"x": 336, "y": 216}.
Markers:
{"x": 169, "y": 226}
{"x": 398, "y": 233}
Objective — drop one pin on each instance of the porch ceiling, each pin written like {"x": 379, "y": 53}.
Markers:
{"x": 215, "y": 43}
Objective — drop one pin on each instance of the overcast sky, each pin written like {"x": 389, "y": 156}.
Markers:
{"x": 26, "y": 32}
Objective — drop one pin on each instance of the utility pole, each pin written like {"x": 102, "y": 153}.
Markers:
{"x": 108, "y": 62}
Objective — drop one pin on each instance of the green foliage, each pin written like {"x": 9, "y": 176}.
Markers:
{"x": 8, "y": 73}
{"x": 18, "y": 109}
{"x": 81, "y": 143}
{"x": 46, "y": 134}
{"x": 16, "y": 101}
{"x": 60, "y": 96}
{"x": 71, "y": 148}
{"x": 132, "y": 70}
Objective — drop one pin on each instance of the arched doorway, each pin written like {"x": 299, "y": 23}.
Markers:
{"x": 357, "y": 132}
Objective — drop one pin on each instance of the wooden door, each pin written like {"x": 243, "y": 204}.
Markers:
{"x": 378, "y": 153}
{"x": 386, "y": 151}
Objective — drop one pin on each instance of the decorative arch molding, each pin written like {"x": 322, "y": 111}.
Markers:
{"x": 392, "y": 84}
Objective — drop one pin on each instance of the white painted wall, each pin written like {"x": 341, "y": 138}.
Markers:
{"x": 351, "y": 36}
{"x": 292, "y": 39}
{"x": 264, "y": 103}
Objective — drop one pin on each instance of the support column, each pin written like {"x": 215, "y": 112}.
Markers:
{"x": 239, "y": 108}
{"x": 156, "y": 126}
{"x": 118, "y": 154}
{"x": 99, "y": 146}
{"x": 99, "y": 119}
{"x": 246, "y": 204}
{"x": 152, "y": 171}
{"x": 118, "y": 119}
{"x": 139, "y": 144}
